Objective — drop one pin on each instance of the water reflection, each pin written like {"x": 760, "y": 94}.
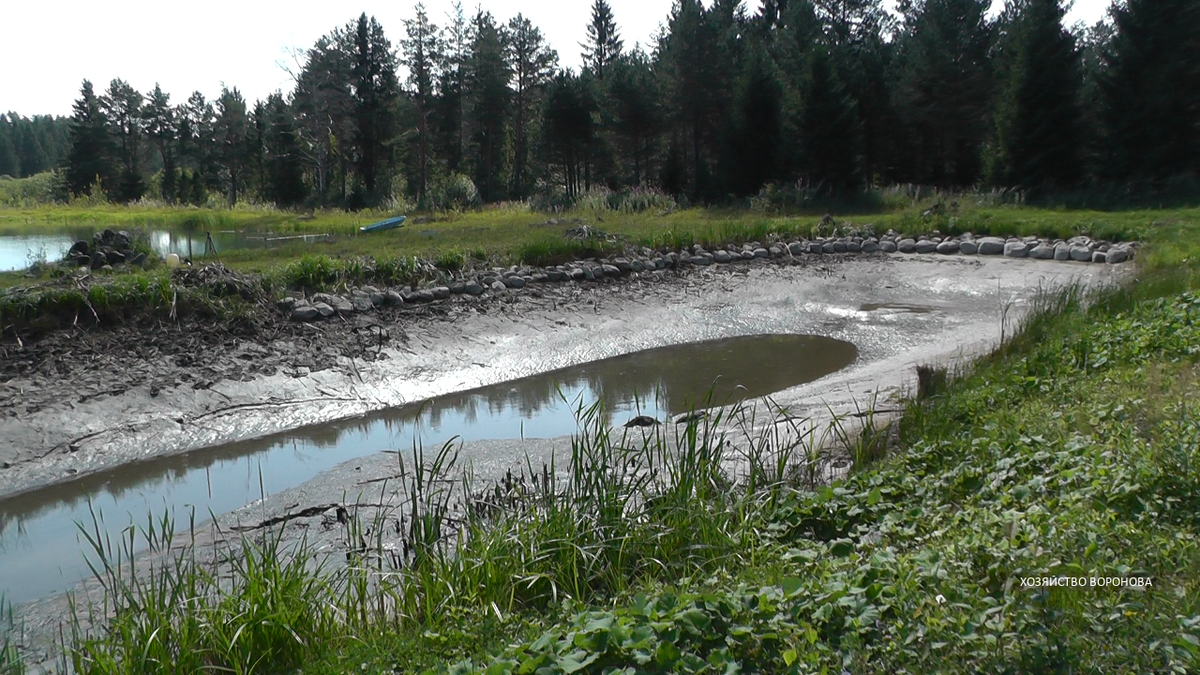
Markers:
{"x": 41, "y": 552}
{"x": 18, "y": 251}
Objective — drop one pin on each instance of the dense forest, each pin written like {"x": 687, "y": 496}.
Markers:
{"x": 804, "y": 97}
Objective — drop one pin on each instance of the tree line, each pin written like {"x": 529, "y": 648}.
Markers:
{"x": 826, "y": 96}
{"x": 30, "y": 146}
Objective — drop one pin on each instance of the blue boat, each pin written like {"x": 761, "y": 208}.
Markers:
{"x": 384, "y": 224}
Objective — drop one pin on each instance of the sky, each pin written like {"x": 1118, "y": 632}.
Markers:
{"x": 50, "y": 46}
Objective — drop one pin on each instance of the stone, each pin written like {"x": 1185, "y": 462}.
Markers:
{"x": 700, "y": 260}
{"x": 1016, "y": 249}
{"x": 722, "y": 256}
{"x": 498, "y": 286}
{"x": 641, "y": 421}
{"x": 796, "y": 248}
{"x": 839, "y": 246}
{"x": 361, "y": 302}
{"x": 541, "y": 278}
{"x": 827, "y": 247}
{"x": 458, "y": 288}
{"x": 324, "y": 308}
{"x": 1099, "y": 256}
{"x": 286, "y": 304}
{"x": 991, "y": 246}
{"x": 393, "y": 299}
{"x": 887, "y": 246}
{"x": 1042, "y": 252}
{"x": 746, "y": 255}
{"x": 854, "y": 246}
{"x": 775, "y": 251}
{"x": 906, "y": 246}
{"x": 926, "y": 246}
{"x": 637, "y": 265}
{"x": 79, "y": 248}
{"x": 760, "y": 252}
{"x": 115, "y": 257}
{"x": 305, "y": 314}
{"x": 623, "y": 265}
{"x": 659, "y": 264}
{"x": 869, "y": 246}
{"x": 577, "y": 274}
{"x": 1062, "y": 252}
{"x": 423, "y": 295}
{"x": 139, "y": 260}
{"x": 1081, "y": 253}
{"x": 1117, "y": 254}
{"x": 440, "y": 292}
{"x": 947, "y": 247}
{"x": 490, "y": 279}
{"x": 610, "y": 270}
{"x": 968, "y": 247}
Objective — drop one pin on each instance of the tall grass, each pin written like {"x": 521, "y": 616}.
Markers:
{"x": 629, "y": 507}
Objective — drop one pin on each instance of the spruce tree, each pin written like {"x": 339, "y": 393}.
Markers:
{"x": 90, "y": 159}
{"x": 944, "y": 89}
{"x": 635, "y": 98}
{"x": 1038, "y": 120}
{"x": 604, "y": 43}
{"x": 159, "y": 119}
{"x": 828, "y": 129}
{"x": 754, "y": 142}
{"x": 1152, "y": 90}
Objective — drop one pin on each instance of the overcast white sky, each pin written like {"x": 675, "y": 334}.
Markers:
{"x": 47, "y": 47}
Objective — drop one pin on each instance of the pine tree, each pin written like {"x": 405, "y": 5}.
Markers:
{"x": 375, "y": 90}
{"x": 604, "y": 43}
{"x": 1152, "y": 90}
{"x": 123, "y": 107}
{"x": 231, "y": 134}
{"x": 453, "y": 74}
{"x": 533, "y": 64}
{"x": 283, "y": 181}
{"x": 692, "y": 67}
{"x": 635, "y": 99}
{"x": 421, "y": 51}
{"x": 159, "y": 120}
{"x": 1039, "y": 116}
{"x": 90, "y": 159}
{"x": 569, "y": 128}
{"x": 489, "y": 75}
{"x": 9, "y": 164}
{"x": 322, "y": 104}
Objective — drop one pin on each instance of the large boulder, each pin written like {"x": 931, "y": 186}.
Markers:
{"x": 907, "y": 245}
{"x": 991, "y": 246}
{"x": 1081, "y": 253}
{"x": 947, "y": 247}
{"x": 968, "y": 247}
{"x": 1016, "y": 249}
{"x": 305, "y": 314}
{"x": 1042, "y": 252}
{"x": 1062, "y": 251}
{"x": 1117, "y": 254}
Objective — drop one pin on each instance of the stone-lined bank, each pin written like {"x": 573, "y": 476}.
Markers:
{"x": 497, "y": 280}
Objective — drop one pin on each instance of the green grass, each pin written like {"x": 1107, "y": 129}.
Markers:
{"x": 1073, "y": 450}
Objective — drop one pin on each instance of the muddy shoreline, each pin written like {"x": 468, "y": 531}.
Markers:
{"x": 78, "y": 402}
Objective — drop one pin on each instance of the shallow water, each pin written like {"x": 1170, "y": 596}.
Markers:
{"x": 41, "y": 551}
{"x": 18, "y": 251}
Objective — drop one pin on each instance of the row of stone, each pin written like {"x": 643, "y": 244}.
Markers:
{"x": 367, "y": 298}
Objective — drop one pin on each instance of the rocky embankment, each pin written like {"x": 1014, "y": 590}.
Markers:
{"x": 302, "y": 308}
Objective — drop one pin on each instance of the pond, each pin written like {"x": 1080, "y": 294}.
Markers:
{"x": 18, "y": 251}
{"x": 41, "y": 551}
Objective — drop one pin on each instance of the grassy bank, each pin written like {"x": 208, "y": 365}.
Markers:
{"x": 1074, "y": 450}
{"x": 434, "y": 246}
